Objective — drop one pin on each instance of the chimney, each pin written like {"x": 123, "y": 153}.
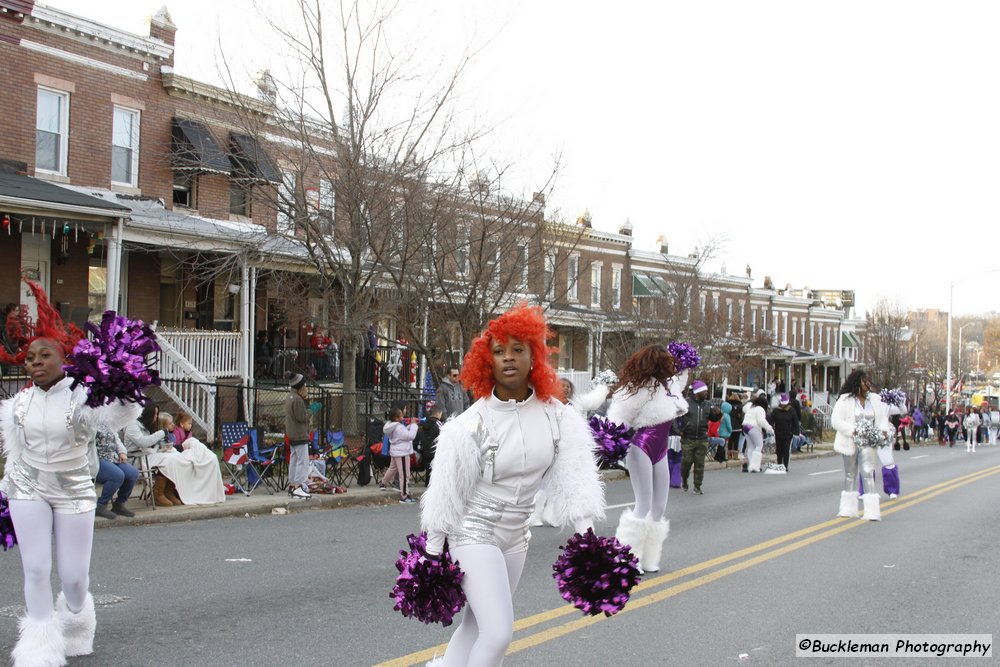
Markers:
{"x": 162, "y": 27}
{"x": 661, "y": 241}
{"x": 626, "y": 228}
{"x": 585, "y": 220}
{"x": 267, "y": 89}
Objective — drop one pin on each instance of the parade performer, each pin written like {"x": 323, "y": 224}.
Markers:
{"x": 490, "y": 462}
{"x": 862, "y": 426}
{"x": 48, "y": 434}
{"x": 648, "y": 399}
{"x": 755, "y": 425}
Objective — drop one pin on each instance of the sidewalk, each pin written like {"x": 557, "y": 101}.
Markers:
{"x": 263, "y": 503}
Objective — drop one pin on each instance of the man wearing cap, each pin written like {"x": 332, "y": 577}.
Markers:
{"x": 786, "y": 424}
{"x": 297, "y": 432}
{"x": 694, "y": 446}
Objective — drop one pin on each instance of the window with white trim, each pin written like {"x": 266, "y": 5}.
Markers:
{"x": 596, "y": 271}
{"x": 326, "y": 204}
{"x": 125, "y": 147}
{"x": 286, "y": 203}
{"x": 550, "y": 275}
{"x": 51, "y": 131}
{"x": 572, "y": 277}
{"x": 522, "y": 279}
{"x": 616, "y": 287}
{"x": 462, "y": 249}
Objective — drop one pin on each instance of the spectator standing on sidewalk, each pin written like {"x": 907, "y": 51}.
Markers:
{"x": 401, "y": 437}
{"x": 694, "y": 447}
{"x": 297, "y": 419}
{"x": 919, "y": 425}
{"x": 430, "y": 429}
{"x": 452, "y": 395}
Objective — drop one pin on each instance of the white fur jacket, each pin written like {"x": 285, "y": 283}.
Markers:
{"x": 843, "y": 422}
{"x": 652, "y": 404}
{"x": 574, "y": 490}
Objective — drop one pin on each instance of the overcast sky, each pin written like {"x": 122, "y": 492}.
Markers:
{"x": 835, "y": 145}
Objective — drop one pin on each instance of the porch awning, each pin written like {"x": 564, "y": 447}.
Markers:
{"x": 847, "y": 339}
{"x": 663, "y": 286}
{"x": 250, "y": 161}
{"x": 21, "y": 194}
{"x": 193, "y": 147}
{"x": 642, "y": 285}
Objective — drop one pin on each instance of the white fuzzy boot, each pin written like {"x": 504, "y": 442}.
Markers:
{"x": 872, "y": 512}
{"x": 78, "y": 629}
{"x": 755, "y": 460}
{"x": 848, "y": 504}
{"x": 39, "y": 643}
{"x": 656, "y": 535}
{"x": 632, "y": 531}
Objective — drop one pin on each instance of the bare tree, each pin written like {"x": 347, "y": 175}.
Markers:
{"x": 890, "y": 354}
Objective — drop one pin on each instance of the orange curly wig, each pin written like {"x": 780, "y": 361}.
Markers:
{"x": 47, "y": 325}
{"x": 526, "y": 324}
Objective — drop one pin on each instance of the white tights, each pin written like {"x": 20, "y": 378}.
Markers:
{"x": 34, "y": 522}
{"x": 650, "y": 484}
{"x": 488, "y": 623}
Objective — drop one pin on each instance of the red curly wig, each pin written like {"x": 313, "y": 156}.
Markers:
{"x": 650, "y": 362}
{"x": 47, "y": 325}
{"x": 526, "y": 324}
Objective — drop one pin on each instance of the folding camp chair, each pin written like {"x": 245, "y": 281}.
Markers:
{"x": 341, "y": 465}
{"x": 263, "y": 464}
{"x": 234, "y": 452}
{"x": 147, "y": 474}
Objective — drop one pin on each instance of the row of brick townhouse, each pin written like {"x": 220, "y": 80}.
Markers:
{"x": 125, "y": 185}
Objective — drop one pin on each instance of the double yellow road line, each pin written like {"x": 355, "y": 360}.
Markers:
{"x": 745, "y": 559}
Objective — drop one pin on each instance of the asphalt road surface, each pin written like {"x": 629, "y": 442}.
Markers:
{"x": 750, "y": 564}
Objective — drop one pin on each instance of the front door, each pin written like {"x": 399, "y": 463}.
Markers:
{"x": 36, "y": 253}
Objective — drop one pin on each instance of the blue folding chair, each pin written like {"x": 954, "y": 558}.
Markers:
{"x": 260, "y": 462}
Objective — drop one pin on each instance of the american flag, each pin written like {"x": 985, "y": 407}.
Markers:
{"x": 234, "y": 440}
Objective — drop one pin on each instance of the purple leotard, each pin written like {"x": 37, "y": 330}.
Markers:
{"x": 654, "y": 440}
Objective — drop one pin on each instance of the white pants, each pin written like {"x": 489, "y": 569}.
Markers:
{"x": 36, "y": 525}
{"x": 298, "y": 466}
{"x": 650, "y": 484}
{"x": 488, "y": 622}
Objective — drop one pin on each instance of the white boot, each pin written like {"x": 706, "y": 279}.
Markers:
{"x": 755, "y": 460}
{"x": 632, "y": 531}
{"x": 872, "y": 512}
{"x": 848, "y": 504}
{"x": 78, "y": 628}
{"x": 656, "y": 534}
{"x": 39, "y": 643}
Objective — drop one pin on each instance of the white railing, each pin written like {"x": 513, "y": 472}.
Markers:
{"x": 214, "y": 353}
{"x": 187, "y": 386}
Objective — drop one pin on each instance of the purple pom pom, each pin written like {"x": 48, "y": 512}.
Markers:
{"x": 428, "y": 588}
{"x": 113, "y": 364}
{"x": 595, "y": 574}
{"x": 612, "y": 440}
{"x": 8, "y": 538}
{"x": 684, "y": 355}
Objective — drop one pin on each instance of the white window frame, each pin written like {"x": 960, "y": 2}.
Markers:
{"x": 136, "y": 125}
{"x": 522, "y": 284}
{"x": 327, "y": 197}
{"x": 549, "y": 288}
{"x": 63, "y": 149}
{"x": 463, "y": 235}
{"x": 616, "y": 286}
{"x": 596, "y": 275}
{"x": 573, "y": 277}
{"x": 286, "y": 197}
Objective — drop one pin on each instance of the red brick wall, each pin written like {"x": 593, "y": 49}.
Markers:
{"x": 144, "y": 286}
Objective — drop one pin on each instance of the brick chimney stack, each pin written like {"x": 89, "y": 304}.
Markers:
{"x": 162, "y": 27}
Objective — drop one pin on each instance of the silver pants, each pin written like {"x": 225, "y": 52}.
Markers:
{"x": 866, "y": 458}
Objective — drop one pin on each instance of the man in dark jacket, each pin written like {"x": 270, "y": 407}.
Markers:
{"x": 786, "y": 424}
{"x": 430, "y": 429}
{"x": 453, "y": 397}
{"x": 694, "y": 445}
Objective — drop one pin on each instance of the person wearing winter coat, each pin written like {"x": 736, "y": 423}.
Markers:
{"x": 401, "y": 436}
{"x": 786, "y": 424}
{"x": 452, "y": 395}
{"x": 755, "y": 426}
{"x": 694, "y": 446}
{"x": 297, "y": 419}
{"x": 490, "y": 462}
{"x": 857, "y": 403}
{"x": 648, "y": 399}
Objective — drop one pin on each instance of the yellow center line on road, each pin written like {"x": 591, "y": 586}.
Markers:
{"x": 836, "y": 527}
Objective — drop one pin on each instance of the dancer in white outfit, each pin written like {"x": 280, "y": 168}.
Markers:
{"x": 857, "y": 401}
{"x": 971, "y": 423}
{"x": 46, "y": 431}
{"x": 755, "y": 425}
{"x": 490, "y": 462}
{"x": 648, "y": 399}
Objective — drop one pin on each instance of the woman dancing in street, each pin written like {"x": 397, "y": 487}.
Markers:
{"x": 47, "y": 431}
{"x": 858, "y": 404}
{"x": 489, "y": 463}
{"x": 648, "y": 399}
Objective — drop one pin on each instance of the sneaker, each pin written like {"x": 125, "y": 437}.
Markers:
{"x": 407, "y": 500}
{"x": 697, "y": 491}
{"x": 121, "y": 510}
{"x": 103, "y": 511}
{"x": 381, "y": 486}
{"x": 685, "y": 487}
{"x": 299, "y": 492}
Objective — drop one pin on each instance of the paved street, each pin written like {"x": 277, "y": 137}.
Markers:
{"x": 751, "y": 563}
